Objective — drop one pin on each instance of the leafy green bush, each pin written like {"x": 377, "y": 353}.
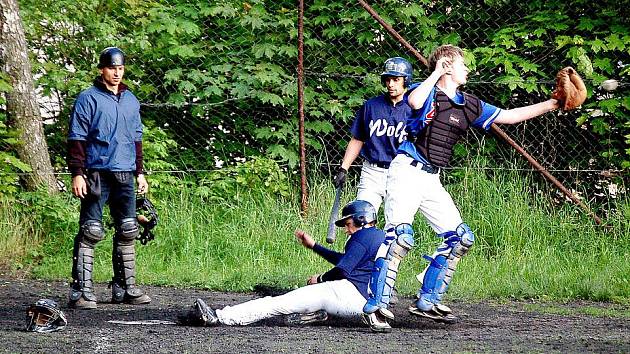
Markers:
{"x": 259, "y": 174}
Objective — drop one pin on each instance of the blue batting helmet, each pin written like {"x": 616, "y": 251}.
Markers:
{"x": 360, "y": 211}
{"x": 398, "y": 67}
{"x": 111, "y": 56}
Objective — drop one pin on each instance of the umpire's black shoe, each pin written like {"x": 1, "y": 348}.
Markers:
{"x": 131, "y": 295}
{"x": 81, "y": 299}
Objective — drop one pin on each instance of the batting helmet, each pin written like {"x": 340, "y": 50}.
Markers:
{"x": 360, "y": 211}
{"x": 111, "y": 56}
{"x": 397, "y": 67}
{"x": 45, "y": 316}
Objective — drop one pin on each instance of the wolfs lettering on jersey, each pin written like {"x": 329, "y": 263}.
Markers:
{"x": 380, "y": 127}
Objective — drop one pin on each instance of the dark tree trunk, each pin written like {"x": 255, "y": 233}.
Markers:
{"x": 22, "y": 108}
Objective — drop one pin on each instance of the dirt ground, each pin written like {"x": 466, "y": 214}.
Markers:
{"x": 483, "y": 327}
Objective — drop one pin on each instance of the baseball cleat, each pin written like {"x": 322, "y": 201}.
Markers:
{"x": 443, "y": 309}
{"x": 207, "y": 314}
{"x": 199, "y": 315}
{"x": 435, "y": 314}
{"x": 376, "y": 321}
{"x": 299, "y": 319}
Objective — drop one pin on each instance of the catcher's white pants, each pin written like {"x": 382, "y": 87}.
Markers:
{"x": 338, "y": 298}
{"x": 372, "y": 184}
{"x": 409, "y": 188}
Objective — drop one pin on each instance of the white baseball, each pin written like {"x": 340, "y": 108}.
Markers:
{"x": 610, "y": 85}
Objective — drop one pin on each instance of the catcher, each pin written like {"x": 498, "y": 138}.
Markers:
{"x": 341, "y": 291}
{"x": 442, "y": 114}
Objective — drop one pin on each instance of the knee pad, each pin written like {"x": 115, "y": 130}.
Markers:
{"x": 466, "y": 240}
{"x": 128, "y": 229}
{"x": 385, "y": 269}
{"x": 91, "y": 232}
{"x": 439, "y": 273}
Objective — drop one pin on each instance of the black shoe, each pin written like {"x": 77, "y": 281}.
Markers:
{"x": 82, "y": 304}
{"x": 299, "y": 319}
{"x": 131, "y": 296}
{"x": 81, "y": 300}
{"x": 199, "y": 315}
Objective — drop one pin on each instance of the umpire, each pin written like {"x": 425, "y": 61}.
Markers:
{"x": 104, "y": 154}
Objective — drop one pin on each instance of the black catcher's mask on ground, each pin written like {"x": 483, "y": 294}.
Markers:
{"x": 45, "y": 316}
{"x": 147, "y": 218}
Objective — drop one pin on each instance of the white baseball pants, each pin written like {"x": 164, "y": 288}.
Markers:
{"x": 372, "y": 184}
{"x": 410, "y": 188}
{"x": 337, "y": 298}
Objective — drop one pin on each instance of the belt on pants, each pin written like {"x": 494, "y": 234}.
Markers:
{"x": 384, "y": 165}
{"x": 427, "y": 168}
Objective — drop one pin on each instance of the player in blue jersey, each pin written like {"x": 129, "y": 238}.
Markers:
{"x": 341, "y": 291}
{"x": 377, "y": 131}
{"x": 442, "y": 114}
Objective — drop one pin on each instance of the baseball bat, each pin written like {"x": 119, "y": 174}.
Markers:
{"x": 331, "y": 236}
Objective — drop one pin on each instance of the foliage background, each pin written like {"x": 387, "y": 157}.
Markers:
{"x": 218, "y": 79}
{"x": 217, "y": 82}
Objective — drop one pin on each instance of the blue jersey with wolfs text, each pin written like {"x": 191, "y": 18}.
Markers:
{"x": 380, "y": 125}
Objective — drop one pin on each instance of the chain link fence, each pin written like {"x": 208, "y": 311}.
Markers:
{"x": 217, "y": 80}
{"x": 569, "y": 149}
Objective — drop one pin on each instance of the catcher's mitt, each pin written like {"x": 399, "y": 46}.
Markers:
{"x": 570, "y": 90}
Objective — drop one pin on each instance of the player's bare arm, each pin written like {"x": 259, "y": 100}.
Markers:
{"x": 520, "y": 114}
{"x": 305, "y": 239}
{"x": 419, "y": 95}
{"x": 143, "y": 185}
{"x": 314, "y": 279}
{"x": 79, "y": 187}
{"x": 352, "y": 152}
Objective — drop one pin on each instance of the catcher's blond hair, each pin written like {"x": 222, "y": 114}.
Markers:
{"x": 446, "y": 50}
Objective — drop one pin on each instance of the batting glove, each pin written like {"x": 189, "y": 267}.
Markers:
{"x": 340, "y": 177}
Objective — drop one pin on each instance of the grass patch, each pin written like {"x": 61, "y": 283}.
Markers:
{"x": 525, "y": 248}
{"x": 593, "y": 311}
{"x": 19, "y": 237}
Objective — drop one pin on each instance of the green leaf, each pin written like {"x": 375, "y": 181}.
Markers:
{"x": 268, "y": 97}
{"x": 615, "y": 42}
{"x": 225, "y": 10}
{"x": 264, "y": 49}
{"x": 319, "y": 126}
{"x": 284, "y": 154}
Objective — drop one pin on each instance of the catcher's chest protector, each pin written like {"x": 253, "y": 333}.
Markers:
{"x": 451, "y": 121}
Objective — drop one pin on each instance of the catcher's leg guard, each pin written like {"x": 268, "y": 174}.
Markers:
{"x": 386, "y": 269}
{"x": 81, "y": 291}
{"x": 439, "y": 273}
{"x": 124, "y": 263}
